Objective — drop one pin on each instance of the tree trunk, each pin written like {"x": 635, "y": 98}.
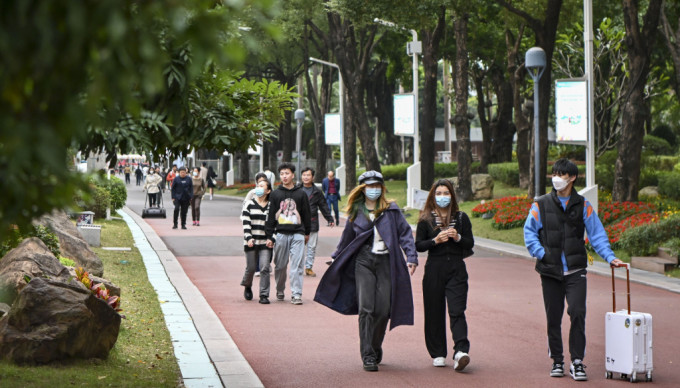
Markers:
{"x": 487, "y": 137}
{"x": 502, "y": 128}
{"x": 517, "y": 74}
{"x": 673, "y": 44}
{"x": 431, "y": 40}
{"x": 381, "y": 105}
{"x": 350, "y": 139}
{"x": 464, "y": 149}
{"x": 635, "y": 113}
{"x": 244, "y": 167}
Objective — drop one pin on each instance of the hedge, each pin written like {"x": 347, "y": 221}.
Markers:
{"x": 646, "y": 239}
{"x": 507, "y": 173}
{"x": 656, "y": 145}
{"x": 669, "y": 185}
{"x": 661, "y": 162}
{"x": 117, "y": 192}
{"x": 441, "y": 170}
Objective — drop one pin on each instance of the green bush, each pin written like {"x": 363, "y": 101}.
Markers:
{"x": 117, "y": 192}
{"x": 393, "y": 172}
{"x": 669, "y": 185}
{"x": 65, "y": 261}
{"x": 15, "y": 237}
{"x": 665, "y": 132}
{"x": 661, "y": 162}
{"x": 101, "y": 200}
{"x": 507, "y": 173}
{"x": 441, "y": 170}
{"x": 645, "y": 240}
{"x": 446, "y": 170}
{"x": 656, "y": 146}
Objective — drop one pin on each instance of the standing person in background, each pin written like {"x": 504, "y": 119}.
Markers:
{"x": 554, "y": 235}
{"x": 138, "y": 175}
{"x": 204, "y": 171}
{"x": 270, "y": 175}
{"x": 198, "y": 190}
{"x": 369, "y": 275}
{"x": 212, "y": 183}
{"x": 331, "y": 189}
{"x": 288, "y": 225}
{"x": 446, "y": 234}
{"x": 127, "y": 171}
{"x": 162, "y": 185}
{"x": 172, "y": 174}
{"x": 152, "y": 187}
{"x": 316, "y": 202}
{"x": 181, "y": 192}
{"x": 254, "y": 217}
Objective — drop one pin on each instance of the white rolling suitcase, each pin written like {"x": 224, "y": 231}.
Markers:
{"x": 628, "y": 340}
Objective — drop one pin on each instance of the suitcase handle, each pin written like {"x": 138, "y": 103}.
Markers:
{"x": 627, "y": 266}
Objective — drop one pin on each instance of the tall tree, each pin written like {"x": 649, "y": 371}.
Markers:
{"x": 672, "y": 38}
{"x": 640, "y": 42}
{"x": 461, "y": 120}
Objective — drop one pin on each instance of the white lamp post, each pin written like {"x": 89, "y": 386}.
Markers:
{"x": 300, "y": 118}
{"x": 535, "y": 64}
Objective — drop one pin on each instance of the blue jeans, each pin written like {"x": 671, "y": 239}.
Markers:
{"x": 289, "y": 246}
{"x": 311, "y": 249}
{"x": 332, "y": 202}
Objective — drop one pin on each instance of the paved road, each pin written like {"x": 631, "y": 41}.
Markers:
{"x": 312, "y": 346}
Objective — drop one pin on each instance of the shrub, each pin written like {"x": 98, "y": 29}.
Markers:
{"x": 604, "y": 170}
{"x": 394, "y": 171}
{"x": 656, "y": 145}
{"x": 669, "y": 185}
{"x": 117, "y": 192}
{"x": 665, "y": 132}
{"x": 507, "y": 173}
{"x": 65, "y": 261}
{"x": 661, "y": 162}
{"x": 15, "y": 237}
{"x": 644, "y": 240}
{"x": 101, "y": 200}
{"x": 446, "y": 170}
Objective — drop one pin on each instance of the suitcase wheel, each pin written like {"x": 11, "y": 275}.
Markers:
{"x": 633, "y": 377}
{"x": 608, "y": 375}
{"x": 649, "y": 376}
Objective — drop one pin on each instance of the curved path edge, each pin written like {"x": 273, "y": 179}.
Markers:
{"x": 203, "y": 347}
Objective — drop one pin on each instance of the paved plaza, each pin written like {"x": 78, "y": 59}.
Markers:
{"x": 312, "y": 346}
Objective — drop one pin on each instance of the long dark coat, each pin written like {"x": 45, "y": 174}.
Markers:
{"x": 337, "y": 288}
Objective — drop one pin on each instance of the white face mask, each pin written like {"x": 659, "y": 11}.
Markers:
{"x": 559, "y": 183}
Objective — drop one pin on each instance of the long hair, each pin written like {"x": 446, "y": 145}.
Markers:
{"x": 356, "y": 200}
{"x": 431, "y": 203}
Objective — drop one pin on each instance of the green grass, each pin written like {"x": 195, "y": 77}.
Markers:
{"x": 143, "y": 354}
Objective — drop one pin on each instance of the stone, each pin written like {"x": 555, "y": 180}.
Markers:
{"x": 4, "y": 309}
{"x": 71, "y": 242}
{"x": 649, "y": 191}
{"x": 482, "y": 186}
{"x": 30, "y": 258}
{"x": 51, "y": 320}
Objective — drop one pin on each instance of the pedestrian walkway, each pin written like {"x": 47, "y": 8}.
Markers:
{"x": 312, "y": 346}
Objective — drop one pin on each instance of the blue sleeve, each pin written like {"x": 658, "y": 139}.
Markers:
{"x": 531, "y": 229}
{"x": 596, "y": 234}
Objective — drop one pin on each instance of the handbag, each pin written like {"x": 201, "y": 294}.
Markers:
{"x": 213, "y": 181}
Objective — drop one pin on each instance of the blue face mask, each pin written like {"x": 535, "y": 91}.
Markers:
{"x": 442, "y": 200}
{"x": 259, "y": 191}
{"x": 373, "y": 193}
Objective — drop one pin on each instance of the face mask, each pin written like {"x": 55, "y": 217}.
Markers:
{"x": 195, "y": 173}
{"x": 373, "y": 193}
{"x": 442, "y": 200}
{"x": 559, "y": 183}
{"x": 259, "y": 191}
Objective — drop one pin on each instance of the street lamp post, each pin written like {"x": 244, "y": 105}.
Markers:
{"x": 535, "y": 64}
{"x": 300, "y": 118}
{"x": 340, "y": 171}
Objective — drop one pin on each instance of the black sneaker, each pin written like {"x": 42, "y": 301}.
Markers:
{"x": 248, "y": 293}
{"x": 578, "y": 371}
{"x": 370, "y": 365}
{"x": 557, "y": 369}
{"x": 264, "y": 300}
{"x": 174, "y": 226}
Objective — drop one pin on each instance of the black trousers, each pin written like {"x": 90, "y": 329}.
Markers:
{"x": 127, "y": 177}
{"x": 445, "y": 282}
{"x": 182, "y": 206}
{"x": 152, "y": 199}
{"x": 572, "y": 288}
{"x": 374, "y": 289}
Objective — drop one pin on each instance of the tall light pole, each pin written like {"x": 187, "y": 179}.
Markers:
{"x": 591, "y": 189}
{"x": 300, "y": 118}
{"x": 413, "y": 48}
{"x": 535, "y": 63}
{"x": 340, "y": 171}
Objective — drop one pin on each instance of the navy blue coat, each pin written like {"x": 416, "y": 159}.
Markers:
{"x": 337, "y": 288}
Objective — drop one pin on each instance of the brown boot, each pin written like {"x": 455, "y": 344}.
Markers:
{"x": 309, "y": 272}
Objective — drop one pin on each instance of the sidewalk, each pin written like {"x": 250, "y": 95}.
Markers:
{"x": 309, "y": 346}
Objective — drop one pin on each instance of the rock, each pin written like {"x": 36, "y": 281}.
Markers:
{"x": 482, "y": 186}
{"x": 51, "y": 321}
{"x": 71, "y": 242}
{"x": 114, "y": 290}
{"x": 649, "y": 191}
{"x": 4, "y": 309}
{"x": 30, "y": 258}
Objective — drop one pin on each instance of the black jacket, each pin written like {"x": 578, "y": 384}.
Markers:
{"x": 426, "y": 232}
{"x": 289, "y": 212}
{"x": 563, "y": 231}
{"x": 182, "y": 189}
{"x": 318, "y": 202}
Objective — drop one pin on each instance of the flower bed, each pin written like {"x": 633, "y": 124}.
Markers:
{"x": 613, "y": 212}
{"x": 499, "y": 204}
{"x": 615, "y": 230}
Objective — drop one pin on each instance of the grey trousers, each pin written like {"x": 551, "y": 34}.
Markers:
{"x": 264, "y": 258}
{"x": 374, "y": 288}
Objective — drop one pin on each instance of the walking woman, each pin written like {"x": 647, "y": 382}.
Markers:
{"x": 369, "y": 276}
{"x": 446, "y": 234}
{"x": 212, "y": 183}
{"x": 254, "y": 217}
{"x": 199, "y": 189}
{"x": 152, "y": 186}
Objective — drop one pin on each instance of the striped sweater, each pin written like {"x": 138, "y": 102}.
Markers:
{"x": 254, "y": 218}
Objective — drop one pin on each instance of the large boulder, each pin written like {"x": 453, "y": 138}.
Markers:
{"x": 482, "y": 186}
{"x": 51, "y": 320}
{"x": 30, "y": 258}
{"x": 71, "y": 242}
{"x": 649, "y": 191}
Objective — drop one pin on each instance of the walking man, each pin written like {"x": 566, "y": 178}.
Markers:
{"x": 127, "y": 171}
{"x": 287, "y": 230}
{"x": 331, "y": 189}
{"x": 553, "y": 234}
{"x": 316, "y": 202}
{"x": 182, "y": 190}
{"x": 138, "y": 175}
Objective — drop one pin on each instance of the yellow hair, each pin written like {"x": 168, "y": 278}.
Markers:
{"x": 356, "y": 198}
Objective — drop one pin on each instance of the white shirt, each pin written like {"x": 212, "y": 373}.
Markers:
{"x": 379, "y": 247}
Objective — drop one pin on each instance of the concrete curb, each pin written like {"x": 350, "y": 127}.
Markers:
{"x": 206, "y": 353}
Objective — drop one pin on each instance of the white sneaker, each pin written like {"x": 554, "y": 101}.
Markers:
{"x": 439, "y": 361}
{"x": 460, "y": 361}
{"x": 257, "y": 274}
{"x": 577, "y": 371}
